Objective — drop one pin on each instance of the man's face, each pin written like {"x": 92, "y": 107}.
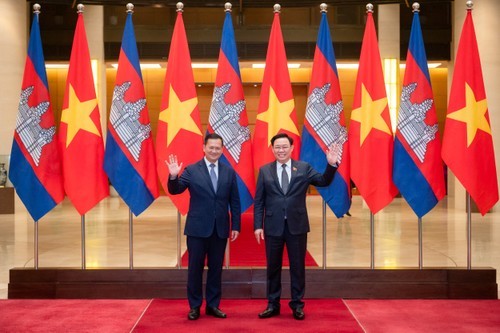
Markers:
{"x": 213, "y": 149}
{"x": 282, "y": 150}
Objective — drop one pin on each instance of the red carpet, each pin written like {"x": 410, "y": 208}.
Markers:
{"x": 407, "y": 316}
{"x": 162, "y": 315}
{"x": 246, "y": 252}
{"x": 321, "y": 316}
{"x": 70, "y": 315}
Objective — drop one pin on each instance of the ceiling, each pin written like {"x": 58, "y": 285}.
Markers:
{"x": 237, "y": 3}
{"x": 153, "y": 26}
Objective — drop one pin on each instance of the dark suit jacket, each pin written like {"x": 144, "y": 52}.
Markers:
{"x": 206, "y": 208}
{"x": 271, "y": 203}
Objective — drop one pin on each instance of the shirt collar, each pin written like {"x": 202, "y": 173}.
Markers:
{"x": 207, "y": 162}
{"x": 288, "y": 164}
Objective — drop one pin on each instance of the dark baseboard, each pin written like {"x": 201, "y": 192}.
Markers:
{"x": 143, "y": 283}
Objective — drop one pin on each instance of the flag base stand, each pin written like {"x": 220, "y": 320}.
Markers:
{"x": 126, "y": 283}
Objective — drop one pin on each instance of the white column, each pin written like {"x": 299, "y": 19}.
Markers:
{"x": 94, "y": 27}
{"x": 14, "y": 34}
{"x": 388, "y": 41}
{"x": 388, "y": 30}
{"x": 487, "y": 25}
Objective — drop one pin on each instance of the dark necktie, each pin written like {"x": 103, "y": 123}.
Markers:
{"x": 284, "y": 179}
{"x": 213, "y": 176}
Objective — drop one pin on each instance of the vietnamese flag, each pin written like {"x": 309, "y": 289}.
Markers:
{"x": 370, "y": 133}
{"x": 179, "y": 126}
{"x": 467, "y": 141}
{"x": 276, "y": 112}
{"x": 80, "y": 134}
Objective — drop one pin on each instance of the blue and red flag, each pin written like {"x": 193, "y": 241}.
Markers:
{"x": 228, "y": 115}
{"x": 325, "y": 124}
{"x": 35, "y": 165}
{"x": 129, "y": 159}
{"x": 418, "y": 169}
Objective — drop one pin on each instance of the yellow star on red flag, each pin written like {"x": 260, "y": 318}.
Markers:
{"x": 77, "y": 116}
{"x": 178, "y": 115}
{"x": 277, "y": 116}
{"x": 473, "y": 114}
{"x": 369, "y": 114}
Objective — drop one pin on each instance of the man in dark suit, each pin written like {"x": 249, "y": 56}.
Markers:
{"x": 213, "y": 189}
{"x": 280, "y": 214}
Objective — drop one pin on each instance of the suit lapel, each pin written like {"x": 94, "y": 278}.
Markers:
{"x": 274, "y": 173}
{"x": 294, "y": 174}
{"x": 220, "y": 174}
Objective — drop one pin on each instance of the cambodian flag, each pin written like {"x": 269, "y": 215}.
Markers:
{"x": 228, "y": 115}
{"x": 35, "y": 166}
{"x": 324, "y": 122}
{"x": 130, "y": 160}
{"x": 418, "y": 168}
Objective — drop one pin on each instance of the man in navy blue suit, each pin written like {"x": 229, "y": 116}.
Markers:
{"x": 213, "y": 190}
{"x": 280, "y": 214}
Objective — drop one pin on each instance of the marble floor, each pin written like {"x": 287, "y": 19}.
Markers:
{"x": 155, "y": 237}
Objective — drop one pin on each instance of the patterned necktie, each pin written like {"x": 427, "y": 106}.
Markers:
{"x": 213, "y": 176}
{"x": 284, "y": 179}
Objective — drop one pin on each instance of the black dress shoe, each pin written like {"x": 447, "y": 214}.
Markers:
{"x": 216, "y": 312}
{"x": 299, "y": 314}
{"x": 268, "y": 313}
{"x": 194, "y": 314}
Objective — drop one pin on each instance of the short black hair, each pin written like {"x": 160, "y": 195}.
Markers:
{"x": 213, "y": 136}
{"x": 281, "y": 135}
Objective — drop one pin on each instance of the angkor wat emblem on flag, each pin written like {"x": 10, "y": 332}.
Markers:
{"x": 224, "y": 120}
{"x": 412, "y": 122}
{"x": 325, "y": 118}
{"x": 124, "y": 118}
{"x": 33, "y": 136}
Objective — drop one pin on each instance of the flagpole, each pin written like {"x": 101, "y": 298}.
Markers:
{"x": 83, "y": 242}
{"x": 469, "y": 232}
{"x": 420, "y": 252}
{"x": 372, "y": 240}
{"x": 179, "y": 259}
{"x": 324, "y": 233}
{"x": 35, "y": 255}
{"x": 130, "y": 239}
